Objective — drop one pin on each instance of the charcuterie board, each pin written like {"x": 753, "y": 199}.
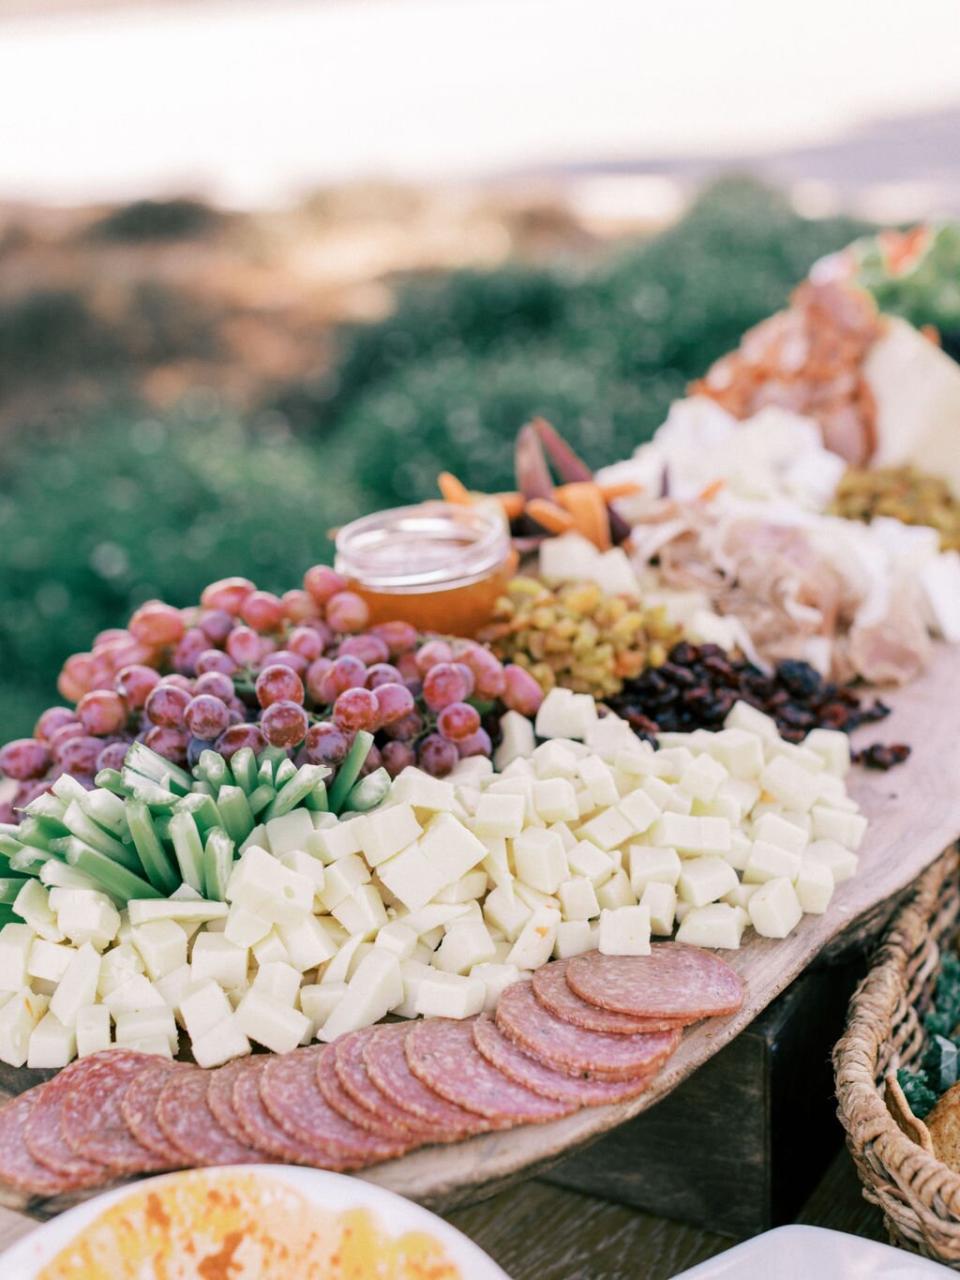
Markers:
{"x": 914, "y": 813}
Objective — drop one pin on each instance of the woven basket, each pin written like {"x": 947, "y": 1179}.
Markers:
{"x": 918, "y": 1194}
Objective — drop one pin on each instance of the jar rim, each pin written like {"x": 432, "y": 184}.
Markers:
{"x": 470, "y": 543}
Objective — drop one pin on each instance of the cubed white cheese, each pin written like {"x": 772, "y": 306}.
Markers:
{"x": 137, "y": 992}
{"x": 419, "y": 789}
{"x": 702, "y": 776}
{"x": 33, "y": 906}
{"x": 578, "y": 899}
{"x": 648, "y": 863}
{"x": 625, "y": 931}
{"x": 375, "y": 988}
{"x": 495, "y": 978}
{"x": 203, "y": 1007}
{"x": 270, "y": 947}
{"x": 398, "y": 937}
{"x": 505, "y": 911}
{"x": 172, "y": 987}
{"x": 814, "y": 886}
{"x": 775, "y": 909}
{"x": 48, "y": 960}
{"x": 639, "y": 810}
{"x": 704, "y": 880}
{"x": 555, "y": 800}
{"x": 262, "y": 1019}
{"x": 261, "y": 882}
{"x": 847, "y": 829}
{"x": 244, "y": 927}
{"x": 84, "y": 915}
{"x": 661, "y": 901}
{"x": 740, "y": 751}
{"x": 19, "y": 1014}
{"x": 574, "y": 937}
{"x": 540, "y": 859}
{"x": 450, "y": 995}
{"x": 362, "y": 912}
{"x": 535, "y": 940}
{"x": 290, "y": 831}
{"x": 411, "y": 877}
{"x": 472, "y": 886}
{"x": 143, "y": 1024}
{"x": 78, "y": 986}
{"x": 597, "y": 776}
{"x": 516, "y": 739}
{"x": 742, "y": 716}
{"x": 162, "y": 945}
{"x": 465, "y": 944}
{"x": 214, "y": 956}
{"x": 715, "y": 835}
{"x": 588, "y": 859}
{"x": 671, "y": 762}
{"x": 222, "y": 1043}
{"x": 278, "y": 981}
{"x": 676, "y": 831}
{"x": 187, "y": 911}
{"x": 667, "y": 798}
{"x": 616, "y": 892}
{"x": 842, "y": 863}
{"x": 342, "y": 879}
{"x": 717, "y": 924}
{"x": 741, "y": 895}
{"x": 51, "y": 1044}
{"x": 608, "y": 829}
{"x": 741, "y": 846}
{"x": 791, "y": 785}
{"x": 332, "y": 842}
{"x": 555, "y": 759}
{"x": 318, "y": 1001}
{"x": 772, "y": 829}
{"x": 608, "y": 736}
{"x": 306, "y": 864}
{"x": 450, "y": 849}
{"x": 564, "y": 714}
{"x": 308, "y": 941}
{"x": 770, "y": 862}
{"x": 384, "y": 832}
{"x": 473, "y": 770}
{"x": 92, "y": 1029}
{"x": 833, "y": 747}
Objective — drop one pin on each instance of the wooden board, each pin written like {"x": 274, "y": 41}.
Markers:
{"x": 914, "y": 813}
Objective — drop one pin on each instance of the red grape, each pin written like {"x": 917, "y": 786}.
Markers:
{"x": 323, "y": 583}
{"x": 76, "y": 677}
{"x": 167, "y": 742}
{"x": 113, "y": 755}
{"x": 400, "y": 637}
{"x": 278, "y": 683}
{"x": 262, "y": 610}
{"x": 478, "y": 744}
{"x": 315, "y": 673}
{"x": 521, "y": 692}
{"x": 244, "y": 646}
{"x": 207, "y": 717}
{"x": 298, "y": 606}
{"x": 134, "y": 684}
{"x": 436, "y": 756}
{"x": 371, "y": 761}
{"x": 60, "y": 737}
{"x": 429, "y": 654}
{"x": 51, "y": 720}
{"x": 27, "y": 792}
{"x": 397, "y": 756}
{"x": 185, "y": 655}
{"x": 326, "y": 744}
{"x": 409, "y": 727}
{"x": 393, "y": 702}
{"x": 216, "y": 684}
{"x": 157, "y": 624}
{"x": 102, "y": 671}
{"x": 346, "y": 611}
{"x": 284, "y": 724}
{"x": 458, "y": 721}
{"x": 307, "y": 642}
{"x": 216, "y": 625}
{"x": 467, "y": 675}
{"x": 125, "y": 653}
{"x": 356, "y": 709}
{"x": 407, "y": 666}
{"x": 215, "y": 660}
{"x": 383, "y": 673}
{"x": 177, "y": 680}
{"x": 287, "y": 658}
{"x": 443, "y": 684}
{"x": 240, "y": 735}
{"x": 24, "y": 758}
{"x": 80, "y": 755}
{"x": 368, "y": 648}
{"x": 109, "y": 636}
{"x": 101, "y": 713}
{"x": 227, "y": 594}
{"x": 346, "y": 673}
{"x": 487, "y": 670}
{"x": 166, "y": 705}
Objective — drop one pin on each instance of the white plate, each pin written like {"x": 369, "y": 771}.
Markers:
{"x": 813, "y": 1253}
{"x": 331, "y": 1191}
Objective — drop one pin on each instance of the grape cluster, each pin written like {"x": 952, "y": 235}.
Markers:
{"x": 246, "y": 668}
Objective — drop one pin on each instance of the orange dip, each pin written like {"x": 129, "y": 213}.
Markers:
{"x": 439, "y": 566}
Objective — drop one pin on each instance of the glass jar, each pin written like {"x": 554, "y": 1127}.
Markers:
{"x": 439, "y": 566}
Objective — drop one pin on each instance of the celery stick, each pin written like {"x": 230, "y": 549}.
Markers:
{"x": 112, "y": 780}
{"x": 217, "y": 864}
{"x": 236, "y": 813}
{"x": 317, "y": 799}
{"x": 260, "y": 797}
{"x": 80, "y": 824}
{"x": 28, "y": 860}
{"x": 173, "y": 784}
{"x": 265, "y": 773}
{"x": 202, "y": 788}
{"x": 286, "y": 771}
{"x": 42, "y": 832}
{"x": 146, "y": 762}
{"x": 10, "y": 886}
{"x": 204, "y": 810}
{"x": 188, "y": 848}
{"x": 115, "y": 880}
{"x": 161, "y": 824}
{"x": 9, "y": 844}
{"x": 274, "y": 755}
{"x": 214, "y": 769}
{"x": 67, "y": 788}
{"x": 107, "y": 811}
{"x": 296, "y": 789}
{"x": 47, "y": 806}
{"x": 156, "y": 796}
{"x": 243, "y": 766}
{"x": 369, "y": 791}
{"x": 348, "y": 772}
{"x": 154, "y": 858}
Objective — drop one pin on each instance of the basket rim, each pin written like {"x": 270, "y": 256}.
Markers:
{"x": 861, "y": 1106}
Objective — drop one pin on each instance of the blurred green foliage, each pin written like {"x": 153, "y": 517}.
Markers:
{"x": 96, "y": 518}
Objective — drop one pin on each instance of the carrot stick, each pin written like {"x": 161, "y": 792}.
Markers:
{"x": 585, "y": 503}
{"x": 625, "y": 489}
{"x": 553, "y": 518}
{"x": 512, "y": 504}
{"x": 453, "y": 490}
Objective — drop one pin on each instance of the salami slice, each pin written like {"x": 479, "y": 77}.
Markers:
{"x": 43, "y": 1133}
{"x": 220, "y": 1087}
{"x": 673, "y": 981}
{"x": 551, "y": 988}
{"x": 371, "y": 1109}
{"x": 138, "y": 1106}
{"x": 442, "y": 1055}
{"x": 334, "y": 1094}
{"x": 535, "y": 1075}
{"x": 92, "y": 1121}
{"x": 288, "y": 1088}
{"x": 185, "y": 1117}
{"x": 18, "y": 1169}
{"x": 589, "y": 1054}
{"x": 386, "y": 1061}
{"x": 257, "y": 1125}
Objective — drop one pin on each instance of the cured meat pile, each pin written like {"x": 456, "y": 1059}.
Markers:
{"x": 584, "y": 1032}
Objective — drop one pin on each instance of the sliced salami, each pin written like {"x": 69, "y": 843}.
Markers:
{"x": 551, "y": 988}
{"x": 589, "y": 1054}
{"x": 257, "y": 1124}
{"x": 509, "y": 1058}
{"x": 43, "y": 1133}
{"x": 372, "y": 1109}
{"x": 185, "y": 1117}
{"x": 92, "y": 1121}
{"x": 442, "y": 1055}
{"x": 18, "y": 1169}
{"x": 138, "y": 1106}
{"x": 334, "y": 1094}
{"x": 220, "y": 1087}
{"x": 290, "y": 1094}
{"x": 673, "y": 981}
{"x": 386, "y": 1061}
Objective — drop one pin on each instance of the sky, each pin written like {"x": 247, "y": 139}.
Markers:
{"x": 254, "y": 104}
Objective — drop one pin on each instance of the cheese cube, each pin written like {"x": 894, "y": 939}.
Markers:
{"x": 465, "y": 943}
{"x": 608, "y": 829}
{"x": 92, "y": 1029}
{"x": 574, "y": 937}
{"x": 800, "y": 756}
{"x": 775, "y": 909}
{"x": 660, "y": 901}
{"x": 85, "y": 915}
{"x": 648, "y": 864}
{"x": 833, "y": 794}
{"x": 563, "y": 714}
{"x": 516, "y": 739}
{"x": 741, "y": 895}
{"x": 412, "y": 973}
{"x": 715, "y": 835}
{"x": 450, "y": 995}
{"x": 702, "y": 777}
{"x": 726, "y": 807}
{"x": 625, "y": 931}
{"x": 290, "y": 831}
{"x": 261, "y": 883}
{"x": 138, "y": 992}
{"x": 319, "y": 1000}
{"x": 78, "y": 986}
{"x": 499, "y": 814}
{"x": 48, "y": 960}
{"x": 265, "y": 1021}
{"x": 222, "y": 1043}
{"x": 814, "y": 886}
{"x": 704, "y": 880}
{"x": 496, "y": 864}
{"x": 716, "y": 924}
{"x": 51, "y": 1044}
{"x": 535, "y": 940}
{"x": 375, "y": 988}
{"x": 608, "y": 736}
{"x": 158, "y": 1045}
{"x": 586, "y": 805}
{"x": 567, "y": 838}
{"x": 842, "y": 863}
{"x": 847, "y": 829}
{"x": 185, "y": 910}
{"x": 19, "y": 1014}
{"x": 342, "y": 879}
{"x": 143, "y": 1024}
{"x": 410, "y": 876}
{"x": 33, "y": 906}
{"x": 639, "y": 810}
{"x": 162, "y": 944}
{"x": 450, "y": 849}
{"x": 473, "y": 770}
{"x": 671, "y": 762}
{"x": 472, "y": 886}
{"x": 384, "y": 832}
{"x": 214, "y": 956}
{"x": 419, "y": 789}
{"x": 597, "y": 777}
{"x": 333, "y": 842}
{"x": 270, "y": 947}
{"x": 205, "y": 1005}
{"x": 743, "y": 791}
{"x": 588, "y": 859}
{"x": 397, "y": 937}
{"x": 770, "y": 862}
{"x": 616, "y": 892}
{"x": 555, "y": 759}
{"x": 305, "y": 864}
{"x": 307, "y": 941}
{"x": 578, "y": 899}
{"x": 741, "y": 846}
{"x": 278, "y": 981}
{"x": 362, "y": 912}
{"x": 244, "y": 927}
{"x": 740, "y": 751}
{"x": 533, "y": 897}
{"x": 677, "y": 831}
{"x": 791, "y": 785}
{"x": 772, "y": 829}
{"x": 495, "y": 978}
{"x": 540, "y": 859}
{"x": 437, "y": 914}
{"x": 742, "y": 716}
{"x": 505, "y": 911}
{"x": 172, "y": 987}
{"x": 833, "y": 747}
{"x": 555, "y": 800}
